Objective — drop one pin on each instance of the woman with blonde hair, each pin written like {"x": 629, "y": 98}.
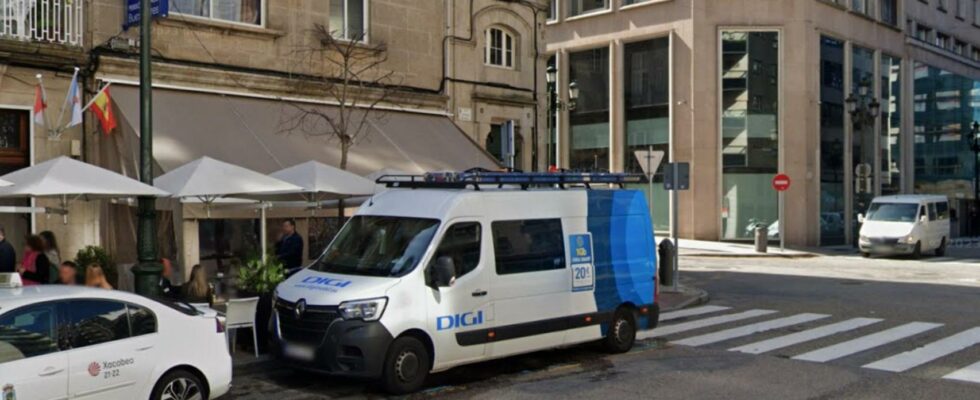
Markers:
{"x": 198, "y": 289}
{"x": 95, "y": 277}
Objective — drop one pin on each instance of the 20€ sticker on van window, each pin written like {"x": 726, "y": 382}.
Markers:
{"x": 583, "y": 270}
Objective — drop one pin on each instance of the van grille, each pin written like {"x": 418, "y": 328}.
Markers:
{"x": 310, "y": 327}
{"x": 888, "y": 241}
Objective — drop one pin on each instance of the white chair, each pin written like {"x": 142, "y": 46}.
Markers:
{"x": 241, "y": 314}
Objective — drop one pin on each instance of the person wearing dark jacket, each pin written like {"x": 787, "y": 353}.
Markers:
{"x": 289, "y": 249}
{"x": 36, "y": 269}
{"x": 8, "y": 256}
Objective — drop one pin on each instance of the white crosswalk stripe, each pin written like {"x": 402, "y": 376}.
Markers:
{"x": 805, "y": 336}
{"x": 702, "y": 323}
{"x": 747, "y": 330}
{"x": 691, "y": 312}
{"x": 968, "y": 374}
{"x": 929, "y": 352}
{"x": 867, "y": 342}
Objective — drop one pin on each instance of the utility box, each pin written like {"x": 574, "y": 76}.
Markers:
{"x": 666, "y": 256}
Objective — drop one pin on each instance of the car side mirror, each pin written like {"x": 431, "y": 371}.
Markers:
{"x": 860, "y": 218}
{"x": 443, "y": 272}
{"x": 924, "y": 218}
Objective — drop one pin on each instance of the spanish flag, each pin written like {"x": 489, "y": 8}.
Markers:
{"x": 101, "y": 106}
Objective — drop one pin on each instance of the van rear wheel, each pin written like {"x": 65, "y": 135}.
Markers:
{"x": 622, "y": 332}
{"x": 406, "y": 366}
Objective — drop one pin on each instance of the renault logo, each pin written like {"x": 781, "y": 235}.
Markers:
{"x": 300, "y": 308}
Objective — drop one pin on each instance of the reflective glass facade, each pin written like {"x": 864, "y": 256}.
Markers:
{"x": 749, "y": 131}
{"x": 863, "y": 147}
{"x": 589, "y": 130}
{"x": 890, "y": 75}
{"x": 832, "y": 203}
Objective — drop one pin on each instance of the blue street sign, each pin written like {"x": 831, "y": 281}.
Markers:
{"x": 159, "y": 8}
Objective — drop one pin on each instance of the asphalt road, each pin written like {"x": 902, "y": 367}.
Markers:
{"x": 915, "y": 303}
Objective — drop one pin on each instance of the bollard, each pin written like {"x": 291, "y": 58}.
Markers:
{"x": 666, "y": 254}
{"x": 761, "y": 239}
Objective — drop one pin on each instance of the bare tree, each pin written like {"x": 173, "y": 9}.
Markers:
{"x": 347, "y": 72}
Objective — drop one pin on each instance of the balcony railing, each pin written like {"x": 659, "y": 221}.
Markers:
{"x": 51, "y": 21}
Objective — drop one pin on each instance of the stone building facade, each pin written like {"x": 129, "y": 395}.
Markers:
{"x": 744, "y": 90}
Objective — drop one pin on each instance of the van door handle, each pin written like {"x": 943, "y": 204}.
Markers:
{"x": 145, "y": 348}
{"x": 50, "y": 371}
{"x": 479, "y": 293}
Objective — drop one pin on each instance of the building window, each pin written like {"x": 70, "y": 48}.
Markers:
{"x": 579, "y": 7}
{"x": 499, "y": 48}
{"x": 14, "y": 146}
{"x": 749, "y": 131}
{"x": 647, "y": 110}
{"x": 499, "y": 145}
{"x": 525, "y": 246}
{"x": 943, "y": 5}
{"x": 349, "y": 20}
{"x": 976, "y": 12}
{"x": 589, "y": 130}
{"x": 889, "y": 12}
{"x": 629, "y": 2}
{"x": 240, "y": 11}
{"x": 976, "y": 53}
{"x": 863, "y": 6}
{"x": 942, "y": 40}
{"x": 863, "y": 134}
{"x": 963, "y": 9}
{"x": 923, "y": 32}
{"x": 959, "y": 47}
{"x": 553, "y": 10}
{"x": 891, "y": 124}
{"x": 831, "y": 142}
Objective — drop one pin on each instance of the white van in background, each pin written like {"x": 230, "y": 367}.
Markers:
{"x": 905, "y": 224}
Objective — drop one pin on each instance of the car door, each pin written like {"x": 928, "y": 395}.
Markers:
{"x": 460, "y": 315}
{"x": 32, "y": 365}
{"x": 106, "y": 361}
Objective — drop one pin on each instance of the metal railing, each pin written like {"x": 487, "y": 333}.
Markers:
{"x": 52, "y": 21}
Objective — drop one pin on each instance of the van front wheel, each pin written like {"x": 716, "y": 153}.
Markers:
{"x": 622, "y": 332}
{"x": 941, "y": 250}
{"x": 406, "y": 366}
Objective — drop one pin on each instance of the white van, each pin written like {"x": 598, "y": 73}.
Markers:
{"x": 431, "y": 274}
{"x": 905, "y": 224}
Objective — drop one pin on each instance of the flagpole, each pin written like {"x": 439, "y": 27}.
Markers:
{"x": 96, "y": 97}
{"x": 61, "y": 115}
{"x": 44, "y": 100}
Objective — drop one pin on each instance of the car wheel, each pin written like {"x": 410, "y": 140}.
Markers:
{"x": 179, "y": 385}
{"x": 941, "y": 250}
{"x": 917, "y": 251}
{"x": 622, "y": 332}
{"x": 406, "y": 366}
{"x": 865, "y": 254}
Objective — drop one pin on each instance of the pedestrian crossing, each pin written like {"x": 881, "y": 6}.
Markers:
{"x": 858, "y": 337}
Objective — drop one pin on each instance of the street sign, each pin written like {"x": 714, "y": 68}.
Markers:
{"x": 159, "y": 8}
{"x": 649, "y": 161}
{"x": 781, "y": 182}
{"x": 683, "y": 176}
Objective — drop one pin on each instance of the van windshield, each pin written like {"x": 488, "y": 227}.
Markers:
{"x": 893, "y": 212}
{"x": 378, "y": 246}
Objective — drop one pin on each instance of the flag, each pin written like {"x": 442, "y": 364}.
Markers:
{"x": 75, "y": 98}
{"x": 39, "y": 105}
{"x": 101, "y": 106}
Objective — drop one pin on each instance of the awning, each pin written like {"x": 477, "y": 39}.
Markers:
{"x": 249, "y": 132}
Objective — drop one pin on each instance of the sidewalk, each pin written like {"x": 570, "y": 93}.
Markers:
{"x": 702, "y": 248}
{"x": 684, "y": 297}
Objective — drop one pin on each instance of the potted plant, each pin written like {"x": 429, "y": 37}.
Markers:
{"x": 97, "y": 255}
{"x": 257, "y": 278}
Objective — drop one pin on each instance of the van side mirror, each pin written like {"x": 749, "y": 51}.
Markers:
{"x": 442, "y": 272}
{"x": 860, "y": 218}
{"x": 924, "y": 218}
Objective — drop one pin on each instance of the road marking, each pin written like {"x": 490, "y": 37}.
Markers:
{"x": 701, "y": 323}
{"x": 690, "y": 312}
{"x": 929, "y": 352}
{"x": 805, "y": 336}
{"x": 867, "y": 342}
{"x": 747, "y": 330}
{"x": 968, "y": 374}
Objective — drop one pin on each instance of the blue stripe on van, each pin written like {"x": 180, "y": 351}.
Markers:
{"x": 625, "y": 253}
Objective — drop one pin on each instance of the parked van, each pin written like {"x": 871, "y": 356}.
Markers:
{"x": 431, "y": 275}
{"x": 905, "y": 224}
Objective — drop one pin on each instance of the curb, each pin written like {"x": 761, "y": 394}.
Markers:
{"x": 762, "y": 255}
{"x": 702, "y": 297}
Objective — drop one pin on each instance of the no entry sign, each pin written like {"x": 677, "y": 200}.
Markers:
{"x": 781, "y": 182}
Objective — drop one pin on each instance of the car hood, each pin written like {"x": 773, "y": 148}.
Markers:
{"x": 886, "y": 229}
{"x": 319, "y": 288}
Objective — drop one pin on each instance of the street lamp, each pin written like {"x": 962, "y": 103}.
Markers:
{"x": 975, "y": 146}
{"x": 864, "y": 107}
{"x": 555, "y": 104}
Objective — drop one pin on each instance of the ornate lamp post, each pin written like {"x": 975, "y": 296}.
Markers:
{"x": 147, "y": 271}
{"x": 864, "y": 107}
{"x": 555, "y": 104}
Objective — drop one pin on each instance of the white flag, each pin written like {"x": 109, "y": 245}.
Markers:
{"x": 75, "y": 97}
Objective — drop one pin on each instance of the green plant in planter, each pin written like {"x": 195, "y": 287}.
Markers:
{"x": 97, "y": 255}
{"x": 259, "y": 277}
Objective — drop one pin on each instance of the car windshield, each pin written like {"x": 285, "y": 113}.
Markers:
{"x": 892, "y": 212}
{"x": 378, "y": 246}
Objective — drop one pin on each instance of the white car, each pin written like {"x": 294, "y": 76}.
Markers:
{"x": 63, "y": 342}
{"x": 905, "y": 224}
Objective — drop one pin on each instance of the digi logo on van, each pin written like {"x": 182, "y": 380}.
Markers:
{"x": 324, "y": 282}
{"x": 459, "y": 320}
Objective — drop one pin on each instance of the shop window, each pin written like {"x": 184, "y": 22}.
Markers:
{"x": 589, "y": 121}
{"x": 14, "y": 145}
{"x": 499, "y": 48}
{"x": 349, "y": 19}
{"x": 524, "y": 246}
{"x": 240, "y": 11}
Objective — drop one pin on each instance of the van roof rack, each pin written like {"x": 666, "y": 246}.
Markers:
{"x": 476, "y": 177}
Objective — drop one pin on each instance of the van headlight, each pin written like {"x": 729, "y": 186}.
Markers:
{"x": 907, "y": 239}
{"x": 367, "y": 310}
{"x": 864, "y": 239}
